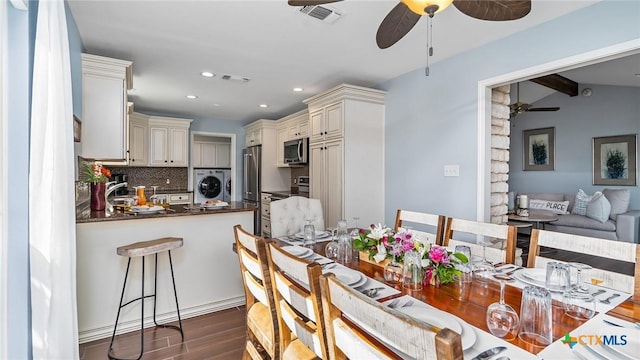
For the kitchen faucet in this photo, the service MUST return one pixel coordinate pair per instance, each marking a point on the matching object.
(111, 188)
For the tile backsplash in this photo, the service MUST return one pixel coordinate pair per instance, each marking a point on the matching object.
(177, 178)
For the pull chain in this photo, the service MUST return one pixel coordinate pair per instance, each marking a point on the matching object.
(429, 42)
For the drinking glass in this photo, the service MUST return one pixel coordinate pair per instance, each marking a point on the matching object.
(465, 268)
(309, 235)
(579, 286)
(345, 249)
(557, 276)
(536, 317)
(484, 269)
(502, 319)
(393, 269)
(412, 272)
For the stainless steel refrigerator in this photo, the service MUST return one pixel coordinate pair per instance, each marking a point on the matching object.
(252, 165)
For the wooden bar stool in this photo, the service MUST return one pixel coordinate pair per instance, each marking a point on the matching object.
(142, 249)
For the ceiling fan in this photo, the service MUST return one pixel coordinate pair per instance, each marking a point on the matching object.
(403, 17)
(520, 107)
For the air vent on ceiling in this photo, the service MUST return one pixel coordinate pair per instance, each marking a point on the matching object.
(321, 13)
(235, 78)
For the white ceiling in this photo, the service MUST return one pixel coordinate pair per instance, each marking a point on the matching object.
(277, 47)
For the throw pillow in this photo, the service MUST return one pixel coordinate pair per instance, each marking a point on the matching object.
(580, 205)
(556, 207)
(619, 200)
(599, 208)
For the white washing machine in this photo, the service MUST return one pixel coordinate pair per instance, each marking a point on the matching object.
(227, 185)
(208, 184)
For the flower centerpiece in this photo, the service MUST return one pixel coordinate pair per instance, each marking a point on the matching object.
(441, 265)
(97, 176)
(372, 242)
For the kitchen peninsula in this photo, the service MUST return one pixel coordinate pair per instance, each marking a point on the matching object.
(206, 271)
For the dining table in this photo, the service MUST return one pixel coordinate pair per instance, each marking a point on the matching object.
(468, 301)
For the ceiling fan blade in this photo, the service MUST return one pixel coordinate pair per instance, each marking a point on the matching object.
(310, 2)
(395, 25)
(544, 109)
(494, 10)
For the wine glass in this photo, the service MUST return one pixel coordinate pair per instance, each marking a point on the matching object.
(331, 249)
(483, 269)
(579, 286)
(579, 305)
(356, 229)
(502, 319)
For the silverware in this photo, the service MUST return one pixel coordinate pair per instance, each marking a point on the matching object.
(601, 291)
(372, 292)
(637, 324)
(514, 270)
(490, 353)
(393, 303)
(506, 268)
(608, 300)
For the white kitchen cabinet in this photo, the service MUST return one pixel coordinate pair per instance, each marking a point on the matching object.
(253, 137)
(326, 169)
(210, 154)
(105, 128)
(346, 167)
(168, 141)
(326, 122)
(138, 139)
(273, 178)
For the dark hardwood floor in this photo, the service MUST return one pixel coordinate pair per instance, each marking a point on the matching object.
(219, 335)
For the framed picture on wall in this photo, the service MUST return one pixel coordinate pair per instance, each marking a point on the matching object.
(615, 160)
(539, 149)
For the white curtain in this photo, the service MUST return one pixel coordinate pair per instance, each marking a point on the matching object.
(52, 235)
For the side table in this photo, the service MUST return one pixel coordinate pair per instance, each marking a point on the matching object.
(537, 221)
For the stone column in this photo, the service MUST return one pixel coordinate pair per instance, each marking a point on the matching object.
(500, 131)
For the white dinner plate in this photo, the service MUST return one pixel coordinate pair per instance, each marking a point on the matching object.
(539, 275)
(629, 350)
(319, 234)
(361, 282)
(216, 205)
(469, 335)
(346, 276)
(434, 317)
(529, 280)
(146, 209)
(299, 251)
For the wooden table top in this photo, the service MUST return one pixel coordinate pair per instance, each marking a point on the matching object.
(470, 301)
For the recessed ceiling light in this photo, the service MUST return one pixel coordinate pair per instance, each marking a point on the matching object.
(191, 97)
(216, 105)
(264, 105)
(638, 74)
(297, 89)
(207, 74)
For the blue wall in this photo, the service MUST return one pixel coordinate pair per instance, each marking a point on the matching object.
(19, 78)
(609, 111)
(432, 121)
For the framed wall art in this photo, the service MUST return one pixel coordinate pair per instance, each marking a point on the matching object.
(539, 149)
(615, 160)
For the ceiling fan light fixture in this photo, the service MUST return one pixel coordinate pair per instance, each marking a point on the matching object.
(425, 7)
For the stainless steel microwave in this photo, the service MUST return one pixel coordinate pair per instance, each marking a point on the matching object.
(296, 151)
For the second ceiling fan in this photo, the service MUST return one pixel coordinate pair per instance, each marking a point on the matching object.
(518, 107)
(404, 16)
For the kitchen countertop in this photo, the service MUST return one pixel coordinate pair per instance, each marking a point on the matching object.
(173, 211)
(287, 193)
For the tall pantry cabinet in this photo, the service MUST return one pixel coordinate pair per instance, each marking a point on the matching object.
(346, 153)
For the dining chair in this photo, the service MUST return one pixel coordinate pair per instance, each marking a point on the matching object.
(288, 216)
(296, 290)
(413, 218)
(359, 327)
(262, 325)
(619, 251)
(504, 236)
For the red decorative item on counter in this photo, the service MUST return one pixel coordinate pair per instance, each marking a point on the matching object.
(97, 196)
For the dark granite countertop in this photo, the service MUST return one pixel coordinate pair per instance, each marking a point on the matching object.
(172, 211)
(287, 193)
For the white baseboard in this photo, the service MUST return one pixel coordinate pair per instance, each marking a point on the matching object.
(134, 325)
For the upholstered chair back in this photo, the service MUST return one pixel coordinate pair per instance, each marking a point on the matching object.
(288, 216)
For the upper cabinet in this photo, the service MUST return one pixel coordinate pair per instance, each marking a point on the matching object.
(326, 122)
(253, 135)
(211, 154)
(138, 139)
(168, 141)
(105, 82)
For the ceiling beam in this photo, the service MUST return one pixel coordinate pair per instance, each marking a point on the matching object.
(559, 83)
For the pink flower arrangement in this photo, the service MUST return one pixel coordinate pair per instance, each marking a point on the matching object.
(441, 265)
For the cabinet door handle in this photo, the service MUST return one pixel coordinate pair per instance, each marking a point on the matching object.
(165, 161)
(325, 133)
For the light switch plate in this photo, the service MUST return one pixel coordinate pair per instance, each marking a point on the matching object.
(451, 170)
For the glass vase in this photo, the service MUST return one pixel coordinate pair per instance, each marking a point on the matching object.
(393, 272)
